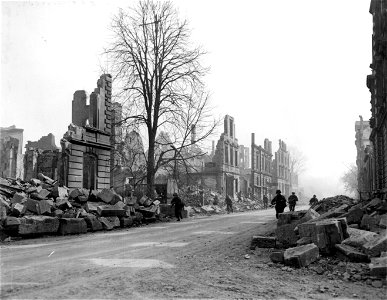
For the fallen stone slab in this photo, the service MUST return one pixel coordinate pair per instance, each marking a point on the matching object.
(77, 192)
(354, 215)
(120, 205)
(383, 221)
(19, 198)
(376, 245)
(351, 253)
(328, 233)
(310, 214)
(301, 256)
(277, 256)
(378, 266)
(357, 237)
(284, 218)
(106, 225)
(93, 223)
(304, 241)
(18, 209)
(44, 193)
(110, 211)
(30, 225)
(60, 192)
(263, 242)
(72, 226)
(11, 221)
(115, 221)
(370, 222)
(38, 207)
(207, 209)
(63, 204)
(286, 236)
(108, 196)
(126, 221)
(373, 204)
(35, 182)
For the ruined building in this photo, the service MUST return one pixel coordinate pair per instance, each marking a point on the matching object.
(364, 158)
(86, 146)
(377, 84)
(281, 169)
(261, 169)
(42, 156)
(11, 157)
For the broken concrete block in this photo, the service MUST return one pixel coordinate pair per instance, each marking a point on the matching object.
(38, 225)
(107, 196)
(19, 209)
(370, 222)
(357, 237)
(126, 221)
(263, 242)
(38, 207)
(44, 193)
(207, 209)
(354, 215)
(284, 218)
(19, 198)
(120, 205)
(72, 226)
(93, 223)
(378, 266)
(304, 241)
(277, 256)
(11, 221)
(376, 245)
(344, 227)
(63, 204)
(372, 204)
(351, 253)
(77, 192)
(115, 221)
(105, 223)
(286, 236)
(383, 221)
(35, 182)
(301, 256)
(110, 211)
(307, 230)
(46, 179)
(311, 214)
(60, 192)
(329, 233)
(36, 196)
(58, 213)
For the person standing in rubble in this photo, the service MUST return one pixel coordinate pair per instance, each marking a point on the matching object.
(313, 201)
(292, 201)
(229, 204)
(280, 203)
(178, 204)
(265, 201)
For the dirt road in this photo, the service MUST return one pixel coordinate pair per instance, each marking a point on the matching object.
(197, 258)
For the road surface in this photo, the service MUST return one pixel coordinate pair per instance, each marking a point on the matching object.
(194, 259)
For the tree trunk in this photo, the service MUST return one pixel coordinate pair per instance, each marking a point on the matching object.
(150, 174)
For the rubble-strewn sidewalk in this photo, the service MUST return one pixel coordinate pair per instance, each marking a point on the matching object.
(338, 237)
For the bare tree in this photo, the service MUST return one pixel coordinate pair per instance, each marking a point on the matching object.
(297, 160)
(350, 179)
(159, 79)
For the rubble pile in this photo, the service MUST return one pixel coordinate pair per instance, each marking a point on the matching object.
(337, 231)
(41, 206)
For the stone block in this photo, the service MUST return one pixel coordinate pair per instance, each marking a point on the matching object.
(126, 221)
(370, 222)
(38, 225)
(351, 253)
(344, 227)
(44, 193)
(311, 214)
(354, 215)
(110, 211)
(77, 192)
(383, 221)
(328, 233)
(263, 242)
(60, 192)
(72, 226)
(93, 223)
(19, 198)
(372, 204)
(376, 245)
(357, 237)
(115, 221)
(18, 209)
(38, 207)
(58, 213)
(11, 221)
(284, 218)
(63, 204)
(36, 196)
(286, 236)
(35, 182)
(301, 256)
(120, 205)
(108, 196)
(378, 266)
(277, 256)
(207, 209)
(304, 241)
(105, 223)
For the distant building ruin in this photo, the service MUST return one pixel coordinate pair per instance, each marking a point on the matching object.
(11, 157)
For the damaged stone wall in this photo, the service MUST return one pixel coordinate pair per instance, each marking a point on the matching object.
(11, 157)
(86, 146)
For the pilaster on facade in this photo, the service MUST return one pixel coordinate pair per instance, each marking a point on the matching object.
(261, 169)
(377, 84)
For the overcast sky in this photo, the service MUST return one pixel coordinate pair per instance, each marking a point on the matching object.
(292, 70)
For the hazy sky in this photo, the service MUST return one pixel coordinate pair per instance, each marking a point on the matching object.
(292, 70)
